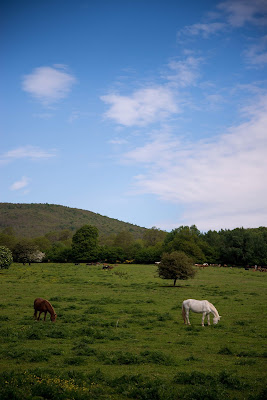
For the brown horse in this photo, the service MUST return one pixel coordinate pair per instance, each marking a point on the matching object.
(44, 306)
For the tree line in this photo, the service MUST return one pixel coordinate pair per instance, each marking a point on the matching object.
(238, 247)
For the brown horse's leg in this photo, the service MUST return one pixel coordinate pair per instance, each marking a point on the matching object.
(38, 319)
(45, 315)
(35, 314)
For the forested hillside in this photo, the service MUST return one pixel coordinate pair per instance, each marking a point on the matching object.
(33, 220)
(68, 234)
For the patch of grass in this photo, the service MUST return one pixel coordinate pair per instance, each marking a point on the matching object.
(119, 358)
(144, 388)
(135, 327)
(76, 360)
(242, 323)
(157, 357)
(94, 310)
(193, 378)
(245, 362)
(28, 355)
(82, 349)
(165, 317)
(230, 381)
(192, 358)
(249, 353)
(57, 332)
(225, 351)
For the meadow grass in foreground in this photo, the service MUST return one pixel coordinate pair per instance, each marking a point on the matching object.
(120, 334)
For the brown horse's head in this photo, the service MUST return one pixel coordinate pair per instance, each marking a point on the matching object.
(53, 317)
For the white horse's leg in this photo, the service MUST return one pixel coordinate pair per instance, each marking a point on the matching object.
(187, 317)
(203, 318)
(208, 318)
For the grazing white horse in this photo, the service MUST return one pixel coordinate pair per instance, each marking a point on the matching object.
(200, 306)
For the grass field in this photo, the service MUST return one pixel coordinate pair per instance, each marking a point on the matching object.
(120, 334)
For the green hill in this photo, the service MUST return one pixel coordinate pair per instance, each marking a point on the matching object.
(33, 220)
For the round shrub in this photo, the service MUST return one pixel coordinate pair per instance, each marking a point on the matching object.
(6, 258)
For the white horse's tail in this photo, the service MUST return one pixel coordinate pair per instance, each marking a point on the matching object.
(183, 313)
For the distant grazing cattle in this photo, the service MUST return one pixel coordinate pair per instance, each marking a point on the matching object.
(107, 267)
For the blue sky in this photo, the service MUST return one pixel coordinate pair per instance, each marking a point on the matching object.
(151, 112)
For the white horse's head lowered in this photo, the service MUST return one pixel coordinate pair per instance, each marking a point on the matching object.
(216, 320)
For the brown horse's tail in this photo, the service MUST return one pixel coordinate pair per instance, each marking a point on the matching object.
(183, 314)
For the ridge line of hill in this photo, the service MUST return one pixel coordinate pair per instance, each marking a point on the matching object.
(36, 219)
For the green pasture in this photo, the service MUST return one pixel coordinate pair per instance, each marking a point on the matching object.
(120, 334)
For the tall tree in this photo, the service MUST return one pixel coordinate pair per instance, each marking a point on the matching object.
(5, 257)
(153, 236)
(84, 244)
(186, 239)
(237, 247)
(124, 239)
(24, 251)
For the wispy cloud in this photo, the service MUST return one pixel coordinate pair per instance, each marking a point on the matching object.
(21, 184)
(216, 180)
(144, 106)
(118, 141)
(240, 12)
(256, 54)
(205, 30)
(184, 72)
(230, 14)
(48, 84)
(77, 115)
(26, 152)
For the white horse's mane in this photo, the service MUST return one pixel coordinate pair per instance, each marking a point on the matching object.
(214, 309)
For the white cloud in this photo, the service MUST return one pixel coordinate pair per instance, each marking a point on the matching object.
(257, 54)
(240, 12)
(220, 182)
(48, 84)
(21, 184)
(28, 152)
(234, 13)
(205, 30)
(144, 106)
(118, 141)
(185, 72)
